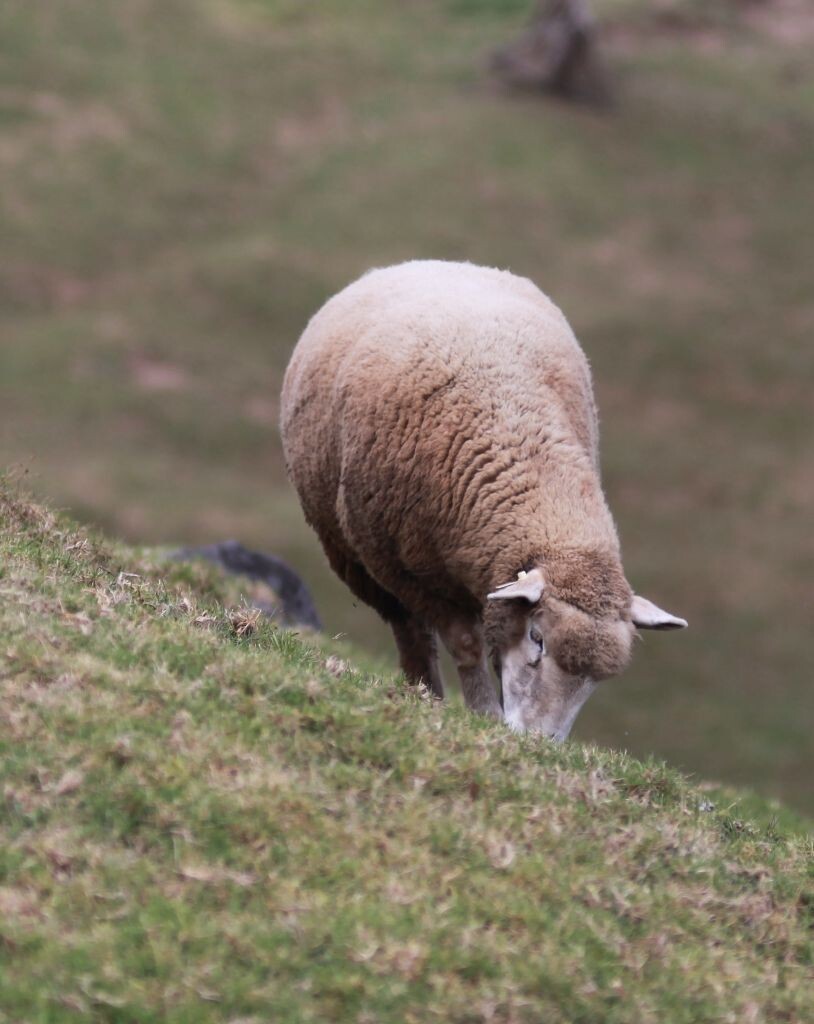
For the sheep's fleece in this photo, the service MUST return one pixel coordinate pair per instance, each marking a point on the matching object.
(439, 426)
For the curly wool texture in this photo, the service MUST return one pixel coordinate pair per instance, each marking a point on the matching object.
(439, 426)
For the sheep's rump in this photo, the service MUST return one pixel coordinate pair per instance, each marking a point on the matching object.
(423, 408)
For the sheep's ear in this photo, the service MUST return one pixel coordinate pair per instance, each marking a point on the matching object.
(647, 615)
(529, 586)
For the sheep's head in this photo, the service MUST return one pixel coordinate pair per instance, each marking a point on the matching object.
(552, 644)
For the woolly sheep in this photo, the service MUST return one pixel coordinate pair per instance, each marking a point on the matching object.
(439, 426)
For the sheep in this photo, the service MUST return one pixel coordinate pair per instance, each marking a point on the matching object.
(439, 427)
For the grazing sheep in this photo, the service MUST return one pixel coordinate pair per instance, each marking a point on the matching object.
(439, 426)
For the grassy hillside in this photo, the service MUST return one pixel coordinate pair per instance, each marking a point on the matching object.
(185, 182)
(205, 820)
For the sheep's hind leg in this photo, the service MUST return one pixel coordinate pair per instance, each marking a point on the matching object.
(418, 653)
(464, 641)
(416, 642)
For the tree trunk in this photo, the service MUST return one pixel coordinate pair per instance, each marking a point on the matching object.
(558, 53)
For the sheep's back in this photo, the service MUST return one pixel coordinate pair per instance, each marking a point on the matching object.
(420, 408)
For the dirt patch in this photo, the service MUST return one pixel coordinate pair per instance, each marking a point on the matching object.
(263, 411)
(711, 28)
(151, 374)
(67, 125)
(789, 22)
(16, 902)
(74, 124)
(303, 133)
(629, 256)
(41, 287)
(663, 414)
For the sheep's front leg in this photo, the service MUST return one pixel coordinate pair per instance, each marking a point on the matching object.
(464, 641)
(418, 653)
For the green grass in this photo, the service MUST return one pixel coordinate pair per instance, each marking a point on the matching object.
(206, 822)
(185, 182)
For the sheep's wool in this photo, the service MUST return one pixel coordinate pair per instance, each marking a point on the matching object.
(439, 426)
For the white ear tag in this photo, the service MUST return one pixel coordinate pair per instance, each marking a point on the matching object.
(528, 586)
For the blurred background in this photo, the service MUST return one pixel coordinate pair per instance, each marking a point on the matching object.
(184, 182)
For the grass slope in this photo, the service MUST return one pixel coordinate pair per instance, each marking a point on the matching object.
(209, 820)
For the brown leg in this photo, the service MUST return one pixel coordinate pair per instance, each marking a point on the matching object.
(416, 642)
(418, 653)
(464, 641)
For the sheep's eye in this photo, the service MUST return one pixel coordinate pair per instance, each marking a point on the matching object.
(537, 637)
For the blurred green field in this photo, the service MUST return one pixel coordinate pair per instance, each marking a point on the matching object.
(183, 183)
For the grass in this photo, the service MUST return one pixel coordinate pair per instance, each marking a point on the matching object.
(205, 819)
(185, 182)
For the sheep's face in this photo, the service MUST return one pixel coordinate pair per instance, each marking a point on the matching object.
(550, 655)
(551, 661)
